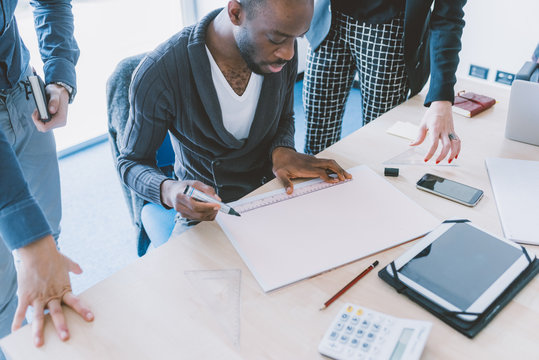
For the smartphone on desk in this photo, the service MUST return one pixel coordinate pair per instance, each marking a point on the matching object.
(449, 189)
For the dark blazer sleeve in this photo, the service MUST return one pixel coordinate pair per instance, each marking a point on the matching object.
(286, 129)
(446, 24)
(146, 128)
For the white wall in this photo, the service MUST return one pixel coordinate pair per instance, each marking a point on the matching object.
(499, 35)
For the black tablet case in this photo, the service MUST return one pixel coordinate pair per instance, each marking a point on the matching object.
(468, 328)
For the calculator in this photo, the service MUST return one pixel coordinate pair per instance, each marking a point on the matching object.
(363, 334)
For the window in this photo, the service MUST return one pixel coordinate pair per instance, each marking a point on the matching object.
(107, 31)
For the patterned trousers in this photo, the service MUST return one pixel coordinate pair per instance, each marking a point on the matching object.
(376, 52)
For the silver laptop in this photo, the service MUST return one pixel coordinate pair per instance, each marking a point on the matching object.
(523, 115)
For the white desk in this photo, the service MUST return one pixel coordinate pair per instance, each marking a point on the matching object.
(150, 311)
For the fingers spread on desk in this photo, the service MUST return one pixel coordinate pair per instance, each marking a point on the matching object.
(37, 323)
(20, 313)
(58, 319)
(432, 149)
(446, 146)
(79, 306)
(455, 147)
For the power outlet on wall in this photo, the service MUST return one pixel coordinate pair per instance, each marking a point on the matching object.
(503, 77)
(478, 71)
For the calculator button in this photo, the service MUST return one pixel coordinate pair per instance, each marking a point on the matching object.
(339, 326)
(365, 324)
(354, 342)
(371, 337)
(365, 346)
(334, 335)
(360, 333)
(349, 329)
(359, 312)
(349, 308)
(376, 327)
(343, 339)
(354, 320)
(344, 316)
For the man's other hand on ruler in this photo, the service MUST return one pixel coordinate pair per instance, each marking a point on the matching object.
(289, 164)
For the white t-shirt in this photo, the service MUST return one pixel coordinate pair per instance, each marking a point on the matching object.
(238, 111)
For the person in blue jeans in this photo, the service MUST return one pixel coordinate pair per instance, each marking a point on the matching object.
(31, 139)
(42, 271)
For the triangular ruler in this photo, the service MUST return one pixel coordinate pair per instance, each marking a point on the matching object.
(220, 290)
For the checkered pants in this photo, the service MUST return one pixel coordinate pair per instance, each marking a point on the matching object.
(376, 51)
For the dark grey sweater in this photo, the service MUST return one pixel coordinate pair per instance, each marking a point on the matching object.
(172, 90)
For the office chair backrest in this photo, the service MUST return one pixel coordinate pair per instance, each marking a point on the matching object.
(118, 113)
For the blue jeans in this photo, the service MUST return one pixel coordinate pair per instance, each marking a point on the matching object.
(36, 153)
(160, 222)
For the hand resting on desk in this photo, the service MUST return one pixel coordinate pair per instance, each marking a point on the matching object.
(43, 278)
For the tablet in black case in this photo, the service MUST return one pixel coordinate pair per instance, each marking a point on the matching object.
(468, 328)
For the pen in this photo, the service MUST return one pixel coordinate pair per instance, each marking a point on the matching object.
(200, 196)
(349, 285)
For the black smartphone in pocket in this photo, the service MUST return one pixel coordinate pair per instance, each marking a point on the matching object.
(450, 189)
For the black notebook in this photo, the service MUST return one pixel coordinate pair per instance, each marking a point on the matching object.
(40, 96)
(454, 318)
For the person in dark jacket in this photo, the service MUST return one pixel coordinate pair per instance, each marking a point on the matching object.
(223, 89)
(393, 45)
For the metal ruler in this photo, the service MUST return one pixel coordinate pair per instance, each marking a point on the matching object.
(273, 197)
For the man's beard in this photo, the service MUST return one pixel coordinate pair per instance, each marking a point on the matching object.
(247, 52)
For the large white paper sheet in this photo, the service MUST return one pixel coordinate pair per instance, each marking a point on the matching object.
(515, 184)
(307, 235)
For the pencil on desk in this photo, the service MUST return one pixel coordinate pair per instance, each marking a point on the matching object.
(349, 285)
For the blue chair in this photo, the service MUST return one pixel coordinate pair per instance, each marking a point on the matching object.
(157, 221)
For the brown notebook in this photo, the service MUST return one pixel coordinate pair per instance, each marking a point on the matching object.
(469, 104)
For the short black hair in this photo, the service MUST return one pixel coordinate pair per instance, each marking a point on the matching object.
(252, 7)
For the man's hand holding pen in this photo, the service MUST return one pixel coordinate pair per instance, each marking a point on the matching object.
(172, 195)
